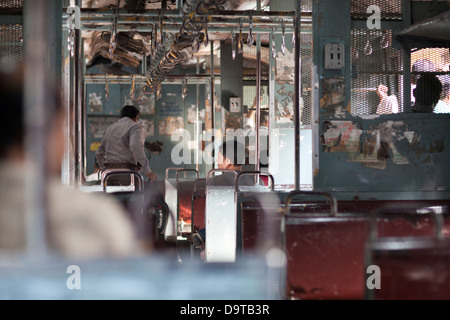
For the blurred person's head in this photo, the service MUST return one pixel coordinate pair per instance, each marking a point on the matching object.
(130, 111)
(231, 155)
(13, 127)
(445, 80)
(264, 119)
(422, 65)
(428, 91)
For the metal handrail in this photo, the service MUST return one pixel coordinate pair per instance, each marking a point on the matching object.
(219, 170)
(171, 169)
(331, 198)
(436, 215)
(240, 174)
(107, 173)
(186, 170)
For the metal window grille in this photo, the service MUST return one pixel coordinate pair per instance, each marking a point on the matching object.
(11, 4)
(306, 6)
(374, 62)
(435, 61)
(389, 10)
(306, 77)
(11, 43)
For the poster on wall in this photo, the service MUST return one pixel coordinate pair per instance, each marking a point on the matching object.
(98, 125)
(192, 115)
(149, 127)
(285, 68)
(235, 104)
(161, 127)
(95, 102)
(168, 109)
(173, 125)
(146, 104)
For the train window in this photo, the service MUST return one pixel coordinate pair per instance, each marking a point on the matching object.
(435, 61)
(11, 34)
(377, 70)
(11, 4)
(378, 61)
(389, 10)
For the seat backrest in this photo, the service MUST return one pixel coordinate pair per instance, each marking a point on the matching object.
(327, 254)
(121, 172)
(410, 269)
(198, 205)
(220, 242)
(325, 257)
(412, 265)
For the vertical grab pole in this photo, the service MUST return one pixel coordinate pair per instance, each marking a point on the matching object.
(38, 105)
(258, 94)
(213, 118)
(297, 94)
(78, 112)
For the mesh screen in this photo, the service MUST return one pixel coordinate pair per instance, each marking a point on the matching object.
(430, 60)
(13, 4)
(435, 61)
(306, 77)
(306, 6)
(11, 43)
(390, 10)
(374, 62)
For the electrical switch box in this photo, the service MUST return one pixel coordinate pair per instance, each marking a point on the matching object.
(334, 56)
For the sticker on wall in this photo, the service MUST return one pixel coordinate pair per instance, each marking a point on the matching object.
(170, 109)
(284, 111)
(389, 141)
(146, 104)
(149, 127)
(173, 125)
(161, 127)
(333, 97)
(98, 125)
(94, 146)
(192, 115)
(95, 102)
(235, 104)
(285, 68)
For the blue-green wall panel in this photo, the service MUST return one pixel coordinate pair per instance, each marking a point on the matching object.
(398, 156)
(171, 104)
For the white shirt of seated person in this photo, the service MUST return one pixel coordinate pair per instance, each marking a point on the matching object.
(388, 104)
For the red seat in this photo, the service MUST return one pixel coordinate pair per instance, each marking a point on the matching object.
(325, 257)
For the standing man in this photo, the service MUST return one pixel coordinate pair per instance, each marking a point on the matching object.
(427, 93)
(443, 106)
(388, 104)
(123, 144)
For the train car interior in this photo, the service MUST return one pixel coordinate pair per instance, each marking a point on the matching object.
(343, 186)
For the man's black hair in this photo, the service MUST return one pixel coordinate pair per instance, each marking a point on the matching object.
(129, 111)
(428, 90)
(422, 65)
